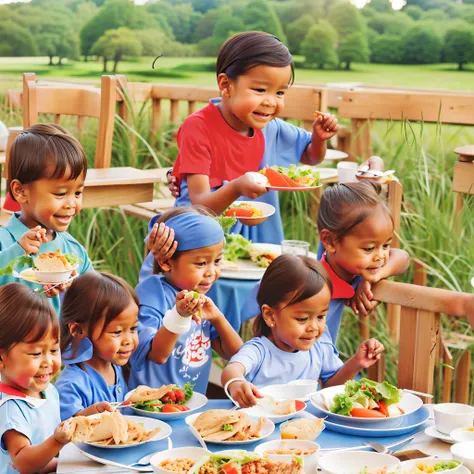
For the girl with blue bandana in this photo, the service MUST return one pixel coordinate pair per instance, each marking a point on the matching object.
(290, 340)
(98, 336)
(179, 325)
(31, 434)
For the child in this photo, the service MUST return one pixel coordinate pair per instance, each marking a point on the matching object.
(98, 336)
(290, 342)
(47, 169)
(30, 430)
(174, 348)
(241, 131)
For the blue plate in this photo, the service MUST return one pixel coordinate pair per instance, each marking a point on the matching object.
(413, 421)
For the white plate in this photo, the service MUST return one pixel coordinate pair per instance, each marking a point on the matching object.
(409, 404)
(149, 424)
(267, 429)
(249, 270)
(294, 189)
(267, 209)
(290, 390)
(197, 401)
(189, 452)
(261, 411)
(335, 155)
(432, 432)
(353, 462)
(32, 279)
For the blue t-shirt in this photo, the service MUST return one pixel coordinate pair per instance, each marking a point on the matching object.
(266, 364)
(10, 249)
(80, 386)
(37, 422)
(191, 358)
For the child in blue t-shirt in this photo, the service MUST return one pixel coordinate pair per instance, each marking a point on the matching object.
(290, 342)
(46, 169)
(99, 333)
(179, 324)
(31, 434)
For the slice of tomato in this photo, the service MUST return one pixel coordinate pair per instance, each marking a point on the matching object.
(276, 179)
(239, 212)
(229, 468)
(383, 408)
(366, 413)
(170, 409)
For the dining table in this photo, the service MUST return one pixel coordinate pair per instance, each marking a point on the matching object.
(72, 460)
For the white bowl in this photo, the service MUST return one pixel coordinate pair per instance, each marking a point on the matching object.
(409, 403)
(53, 277)
(409, 466)
(450, 416)
(261, 411)
(298, 391)
(177, 453)
(310, 461)
(352, 462)
(465, 453)
(267, 210)
(463, 434)
(197, 401)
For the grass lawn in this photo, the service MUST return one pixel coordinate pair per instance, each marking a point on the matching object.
(199, 71)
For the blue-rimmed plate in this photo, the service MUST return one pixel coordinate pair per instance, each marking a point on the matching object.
(408, 424)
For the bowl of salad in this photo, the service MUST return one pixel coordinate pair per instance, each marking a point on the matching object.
(294, 178)
(366, 402)
(168, 402)
(358, 462)
(250, 212)
(430, 466)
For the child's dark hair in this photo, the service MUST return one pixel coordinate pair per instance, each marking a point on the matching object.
(300, 277)
(25, 316)
(92, 297)
(244, 51)
(176, 211)
(344, 206)
(44, 147)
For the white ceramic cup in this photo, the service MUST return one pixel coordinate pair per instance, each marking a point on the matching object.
(450, 416)
(346, 171)
(465, 453)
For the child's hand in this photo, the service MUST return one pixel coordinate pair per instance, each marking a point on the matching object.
(374, 163)
(363, 302)
(161, 242)
(100, 407)
(244, 393)
(189, 305)
(173, 185)
(325, 126)
(368, 353)
(31, 240)
(63, 432)
(246, 186)
(211, 312)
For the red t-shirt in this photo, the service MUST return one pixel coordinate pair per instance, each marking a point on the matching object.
(208, 145)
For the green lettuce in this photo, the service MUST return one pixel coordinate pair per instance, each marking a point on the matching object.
(149, 405)
(227, 427)
(21, 261)
(188, 390)
(294, 172)
(236, 247)
(342, 404)
(226, 222)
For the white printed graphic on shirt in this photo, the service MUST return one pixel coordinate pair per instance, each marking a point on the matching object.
(194, 352)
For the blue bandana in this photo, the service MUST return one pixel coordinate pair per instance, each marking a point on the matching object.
(195, 231)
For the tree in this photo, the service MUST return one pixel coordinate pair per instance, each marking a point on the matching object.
(421, 46)
(319, 46)
(115, 44)
(204, 5)
(205, 24)
(353, 48)
(414, 11)
(346, 19)
(459, 46)
(260, 15)
(297, 31)
(434, 15)
(396, 23)
(386, 50)
(16, 40)
(227, 26)
(382, 6)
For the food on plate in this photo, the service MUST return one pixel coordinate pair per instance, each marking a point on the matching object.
(366, 470)
(166, 399)
(181, 465)
(243, 209)
(244, 462)
(109, 428)
(236, 247)
(282, 407)
(422, 467)
(302, 428)
(295, 451)
(294, 176)
(227, 425)
(365, 398)
(262, 256)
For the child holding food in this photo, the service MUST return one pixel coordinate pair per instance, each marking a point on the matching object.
(179, 324)
(99, 332)
(290, 342)
(30, 430)
(240, 132)
(46, 169)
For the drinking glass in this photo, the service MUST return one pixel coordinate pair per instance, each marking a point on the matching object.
(295, 247)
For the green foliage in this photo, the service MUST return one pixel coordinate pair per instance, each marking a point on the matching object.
(414, 11)
(421, 46)
(209, 46)
(459, 46)
(289, 11)
(434, 15)
(353, 48)
(259, 15)
(319, 46)
(346, 19)
(16, 40)
(297, 30)
(468, 13)
(226, 26)
(386, 49)
(382, 6)
(205, 5)
(396, 23)
(205, 25)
